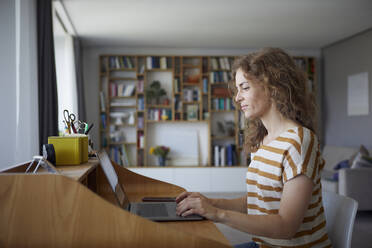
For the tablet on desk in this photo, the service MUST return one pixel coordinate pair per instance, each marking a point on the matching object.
(153, 208)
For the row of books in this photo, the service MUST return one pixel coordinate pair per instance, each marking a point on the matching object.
(220, 77)
(159, 114)
(118, 62)
(120, 155)
(221, 63)
(222, 104)
(156, 62)
(141, 103)
(191, 94)
(121, 89)
(225, 155)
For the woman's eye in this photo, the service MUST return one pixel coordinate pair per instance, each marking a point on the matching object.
(245, 88)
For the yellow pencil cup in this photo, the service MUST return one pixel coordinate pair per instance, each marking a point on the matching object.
(70, 150)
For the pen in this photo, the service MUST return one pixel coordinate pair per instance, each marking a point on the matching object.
(90, 127)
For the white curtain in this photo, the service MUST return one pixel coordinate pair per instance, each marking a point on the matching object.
(66, 77)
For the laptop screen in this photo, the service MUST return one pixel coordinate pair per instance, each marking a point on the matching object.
(112, 178)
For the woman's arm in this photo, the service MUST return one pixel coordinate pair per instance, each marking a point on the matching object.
(237, 204)
(284, 225)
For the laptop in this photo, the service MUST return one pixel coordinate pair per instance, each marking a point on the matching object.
(155, 211)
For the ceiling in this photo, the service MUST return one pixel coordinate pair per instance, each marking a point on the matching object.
(230, 24)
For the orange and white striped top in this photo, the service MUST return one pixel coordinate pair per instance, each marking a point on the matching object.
(294, 152)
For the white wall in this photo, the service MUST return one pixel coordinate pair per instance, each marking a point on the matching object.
(91, 70)
(18, 70)
(207, 180)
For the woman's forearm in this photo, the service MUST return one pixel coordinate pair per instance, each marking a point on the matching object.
(271, 226)
(237, 204)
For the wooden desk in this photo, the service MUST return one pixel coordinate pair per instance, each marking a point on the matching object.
(57, 211)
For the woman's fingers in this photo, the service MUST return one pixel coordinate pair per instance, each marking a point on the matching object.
(182, 196)
(187, 204)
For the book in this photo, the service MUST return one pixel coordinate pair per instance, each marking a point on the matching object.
(216, 156)
(223, 156)
(102, 101)
(149, 63)
(229, 155)
(103, 120)
(163, 63)
(205, 85)
(129, 90)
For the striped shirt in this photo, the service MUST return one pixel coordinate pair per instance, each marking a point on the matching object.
(294, 152)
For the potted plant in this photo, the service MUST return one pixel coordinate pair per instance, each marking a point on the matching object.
(161, 152)
(155, 91)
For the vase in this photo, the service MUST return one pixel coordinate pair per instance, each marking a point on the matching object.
(161, 161)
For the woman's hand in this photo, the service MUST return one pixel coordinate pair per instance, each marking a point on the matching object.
(195, 203)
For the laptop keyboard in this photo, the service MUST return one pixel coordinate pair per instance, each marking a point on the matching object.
(152, 210)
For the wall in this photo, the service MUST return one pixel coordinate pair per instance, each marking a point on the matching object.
(342, 59)
(91, 70)
(18, 95)
(8, 89)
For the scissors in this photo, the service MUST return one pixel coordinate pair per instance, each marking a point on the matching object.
(69, 118)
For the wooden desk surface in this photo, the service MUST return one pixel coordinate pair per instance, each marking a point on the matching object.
(136, 187)
(78, 172)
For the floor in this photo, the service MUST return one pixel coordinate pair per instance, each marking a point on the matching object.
(362, 233)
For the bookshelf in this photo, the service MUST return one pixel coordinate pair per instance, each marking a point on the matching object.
(196, 96)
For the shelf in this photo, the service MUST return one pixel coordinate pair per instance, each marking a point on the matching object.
(123, 97)
(153, 121)
(122, 69)
(191, 84)
(193, 102)
(190, 66)
(122, 78)
(125, 125)
(158, 106)
(176, 121)
(214, 70)
(222, 137)
(222, 111)
(218, 83)
(129, 106)
(159, 70)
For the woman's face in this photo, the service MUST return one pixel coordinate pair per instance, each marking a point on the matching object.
(251, 96)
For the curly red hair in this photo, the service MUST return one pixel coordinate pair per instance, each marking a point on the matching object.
(287, 88)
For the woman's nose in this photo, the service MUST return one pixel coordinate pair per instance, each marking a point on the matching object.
(237, 97)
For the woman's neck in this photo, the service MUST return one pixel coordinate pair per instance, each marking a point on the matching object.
(275, 123)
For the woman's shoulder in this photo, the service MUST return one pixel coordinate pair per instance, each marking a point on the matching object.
(305, 137)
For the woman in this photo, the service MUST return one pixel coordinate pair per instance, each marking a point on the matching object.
(283, 205)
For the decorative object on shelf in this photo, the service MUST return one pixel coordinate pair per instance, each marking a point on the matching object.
(161, 152)
(230, 128)
(155, 91)
(226, 128)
